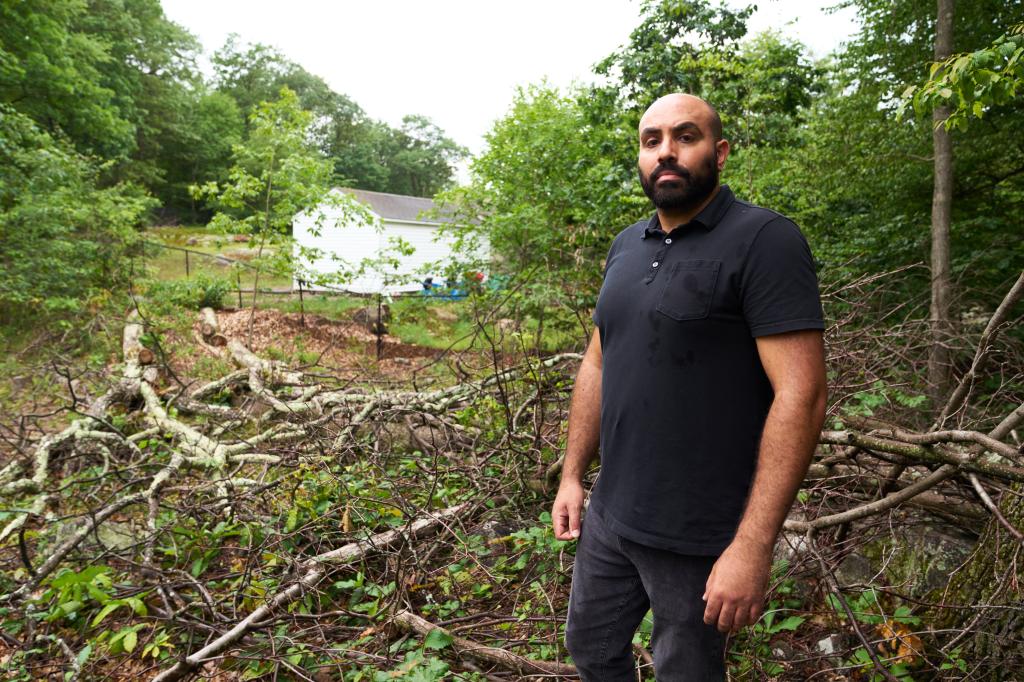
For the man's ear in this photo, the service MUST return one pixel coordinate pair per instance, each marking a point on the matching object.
(722, 150)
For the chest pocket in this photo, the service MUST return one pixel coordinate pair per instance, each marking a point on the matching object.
(689, 289)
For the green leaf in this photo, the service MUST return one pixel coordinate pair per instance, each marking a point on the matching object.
(84, 654)
(293, 520)
(129, 641)
(70, 607)
(106, 611)
(138, 606)
(791, 623)
(437, 639)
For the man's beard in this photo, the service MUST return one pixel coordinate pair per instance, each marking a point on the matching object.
(684, 194)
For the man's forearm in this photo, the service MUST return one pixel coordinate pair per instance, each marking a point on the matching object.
(584, 422)
(790, 435)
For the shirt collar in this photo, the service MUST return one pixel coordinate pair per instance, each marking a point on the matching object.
(708, 217)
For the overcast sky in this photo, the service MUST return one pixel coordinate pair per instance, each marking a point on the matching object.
(459, 61)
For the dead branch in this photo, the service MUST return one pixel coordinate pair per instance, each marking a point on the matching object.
(491, 655)
(316, 569)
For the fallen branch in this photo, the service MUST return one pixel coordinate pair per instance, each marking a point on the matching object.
(315, 570)
(523, 666)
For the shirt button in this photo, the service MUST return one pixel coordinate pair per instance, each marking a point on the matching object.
(654, 264)
(668, 241)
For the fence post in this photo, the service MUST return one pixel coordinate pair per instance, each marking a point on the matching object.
(239, 276)
(188, 271)
(302, 307)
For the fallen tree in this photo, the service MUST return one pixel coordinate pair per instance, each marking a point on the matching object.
(243, 494)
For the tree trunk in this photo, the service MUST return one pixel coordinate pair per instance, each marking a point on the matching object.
(993, 577)
(942, 201)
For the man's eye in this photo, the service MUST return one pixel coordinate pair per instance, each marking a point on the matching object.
(650, 142)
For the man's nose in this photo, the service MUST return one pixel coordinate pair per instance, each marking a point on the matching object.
(667, 150)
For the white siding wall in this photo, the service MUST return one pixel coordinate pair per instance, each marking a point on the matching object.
(355, 242)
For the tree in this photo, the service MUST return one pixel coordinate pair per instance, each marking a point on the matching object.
(211, 126)
(860, 178)
(548, 201)
(51, 71)
(416, 159)
(942, 202)
(64, 241)
(962, 87)
(422, 160)
(277, 173)
(970, 84)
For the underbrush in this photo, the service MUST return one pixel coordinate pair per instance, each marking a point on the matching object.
(356, 502)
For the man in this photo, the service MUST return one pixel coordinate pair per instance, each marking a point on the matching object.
(705, 384)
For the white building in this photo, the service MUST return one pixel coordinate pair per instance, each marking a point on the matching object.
(355, 241)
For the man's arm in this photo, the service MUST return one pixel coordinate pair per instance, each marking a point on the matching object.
(795, 365)
(581, 443)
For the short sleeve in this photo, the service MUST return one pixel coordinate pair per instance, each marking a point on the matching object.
(607, 260)
(779, 287)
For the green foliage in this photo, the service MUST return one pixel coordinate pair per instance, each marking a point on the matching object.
(70, 593)
(751, 652)
(415, 667)
(865, 403)
(416, 158)
(970, 84)
(760, 86)
(548, 200)
(64, 239)
(277, 173)
(201, 291)
(51, 70)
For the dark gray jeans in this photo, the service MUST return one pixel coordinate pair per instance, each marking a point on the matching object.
(614, 582)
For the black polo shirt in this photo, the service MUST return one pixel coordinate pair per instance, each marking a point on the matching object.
(683, 394)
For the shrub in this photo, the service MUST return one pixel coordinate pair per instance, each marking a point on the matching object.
(201, 291)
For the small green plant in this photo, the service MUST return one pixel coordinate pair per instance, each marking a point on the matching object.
(900, 648)
(201, 291)
(867, 402)
(753, 655)
(71, 593)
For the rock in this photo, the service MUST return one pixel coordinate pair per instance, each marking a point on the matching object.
(782, 651)
(831, 645)
(240, 238)
(395, 437)
(445, 313)
(854, 570)
(191, 241)
(495, 529)
(367, 318)
(506, 325)
(928, 553)
(114, 535)
(400, 439)
(791, 547)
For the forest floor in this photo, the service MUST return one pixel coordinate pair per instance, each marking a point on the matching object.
(430, 468)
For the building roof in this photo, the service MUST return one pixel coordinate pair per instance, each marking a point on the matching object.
(398, 206)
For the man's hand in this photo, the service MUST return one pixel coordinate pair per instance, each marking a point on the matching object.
(736, 586)
(565, 514)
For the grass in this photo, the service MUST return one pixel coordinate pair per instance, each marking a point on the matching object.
(170, 264)
(432, 323)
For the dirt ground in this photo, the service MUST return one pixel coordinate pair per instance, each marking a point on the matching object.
(340, 346)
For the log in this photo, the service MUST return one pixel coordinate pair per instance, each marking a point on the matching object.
(209, 328)
(523, 666)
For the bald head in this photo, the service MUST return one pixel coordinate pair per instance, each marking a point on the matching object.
(680, 102)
